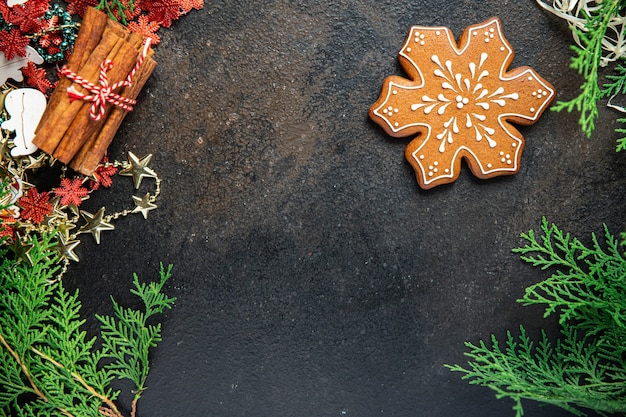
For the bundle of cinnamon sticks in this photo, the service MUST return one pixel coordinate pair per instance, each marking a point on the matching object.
(66, 130)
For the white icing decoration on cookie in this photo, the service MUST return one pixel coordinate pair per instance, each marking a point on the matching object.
(469, 94)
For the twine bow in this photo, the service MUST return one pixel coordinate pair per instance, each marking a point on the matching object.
(103, 92)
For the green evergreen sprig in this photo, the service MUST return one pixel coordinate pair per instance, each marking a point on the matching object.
(617, 86)
(587, 61)
(117, 9)
(50, 367)
(598, 30)
(128, 337)
(585, 368)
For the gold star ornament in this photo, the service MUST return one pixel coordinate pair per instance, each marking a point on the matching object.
(138, 169)
(66, 248)
(96, 223)
(21, 250)
(144, 205)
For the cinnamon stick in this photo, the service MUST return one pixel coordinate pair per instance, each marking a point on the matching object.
(93, 150)
(61, 116)
(123, 56)
(117, 28)
(66, 130)
(90, 34)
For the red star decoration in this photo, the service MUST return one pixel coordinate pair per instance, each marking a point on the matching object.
(162, 11)
(7, 228)
(27, 16)
(35, 205)
(71, 191)
(103, 175)
(187, 5)
(146, 28)
(12, 43)
(36, 77)
(79, 6)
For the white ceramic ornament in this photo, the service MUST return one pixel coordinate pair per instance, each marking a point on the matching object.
(25, 106)
(11, 68)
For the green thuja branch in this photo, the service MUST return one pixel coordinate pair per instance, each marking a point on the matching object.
(49, 365)
(117, 9)
(586, 61)
(585, 368)
(127, 336)
(599, 31)
(588, 284)
(621, 142)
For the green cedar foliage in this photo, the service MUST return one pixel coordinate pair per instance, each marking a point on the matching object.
(585, 368)
(599, 31)
(48, 364)
(117, 9)
(587, 61)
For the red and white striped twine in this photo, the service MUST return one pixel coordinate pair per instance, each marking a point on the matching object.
(103, 92)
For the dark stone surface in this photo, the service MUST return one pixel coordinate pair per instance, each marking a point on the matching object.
(313, 276)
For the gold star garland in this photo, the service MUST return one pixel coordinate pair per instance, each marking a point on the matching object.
(67, 221)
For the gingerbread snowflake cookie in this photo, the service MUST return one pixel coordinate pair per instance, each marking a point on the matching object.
(460, 101)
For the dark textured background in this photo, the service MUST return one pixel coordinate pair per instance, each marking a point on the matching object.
(313, 276)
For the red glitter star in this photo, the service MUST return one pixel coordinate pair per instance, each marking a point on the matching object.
(103, 175)
(71, 191)
(36, 77)
(13, 43)
(35, 205)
